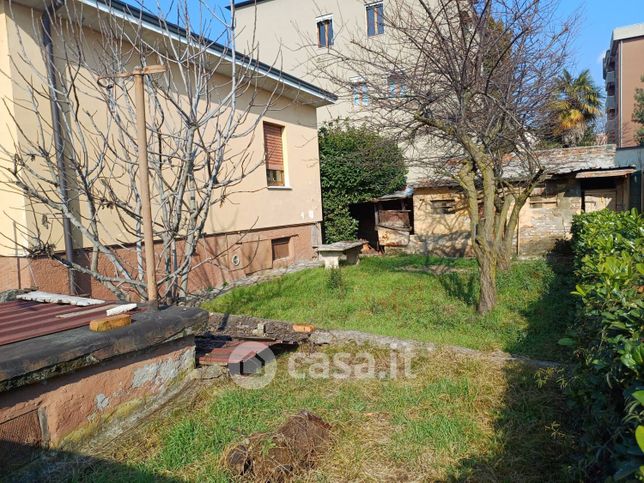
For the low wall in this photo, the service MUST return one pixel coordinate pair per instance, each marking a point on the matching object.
(65, 410)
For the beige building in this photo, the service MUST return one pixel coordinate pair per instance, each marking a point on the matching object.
(294, 34)
(297, 35)
(434, 219)
(272, 216)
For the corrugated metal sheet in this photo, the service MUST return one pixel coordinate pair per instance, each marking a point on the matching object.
(23, 319)
(222, 351)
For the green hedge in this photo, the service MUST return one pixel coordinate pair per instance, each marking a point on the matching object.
(607, 380)
(356, 165)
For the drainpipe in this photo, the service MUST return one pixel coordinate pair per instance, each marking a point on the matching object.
(48, 47)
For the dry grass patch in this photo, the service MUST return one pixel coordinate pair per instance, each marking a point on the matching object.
(458, 418)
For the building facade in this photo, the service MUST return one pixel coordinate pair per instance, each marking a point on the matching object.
(623, 74)
(297, 34)
(272, 217)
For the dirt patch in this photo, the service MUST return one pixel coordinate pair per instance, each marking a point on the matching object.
(280, 456)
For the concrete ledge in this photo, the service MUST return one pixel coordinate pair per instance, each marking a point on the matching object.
(335, 337)
(41, 358)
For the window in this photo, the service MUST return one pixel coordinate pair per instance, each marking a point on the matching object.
(360, 94)
(397, 87)
(375, 22)
(325, 32)
(280, 247)
(443, 207)
(274, 154)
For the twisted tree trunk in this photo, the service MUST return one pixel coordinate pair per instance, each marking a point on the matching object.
(487, 259)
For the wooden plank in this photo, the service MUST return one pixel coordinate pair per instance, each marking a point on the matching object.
(110, 323)
(56, 298)
(605, 173)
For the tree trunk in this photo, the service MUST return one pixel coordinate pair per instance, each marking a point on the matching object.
(487, 261)
(504, 258)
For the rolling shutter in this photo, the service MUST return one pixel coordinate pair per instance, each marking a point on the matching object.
(273, 146)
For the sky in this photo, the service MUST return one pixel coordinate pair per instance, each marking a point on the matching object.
(596, 21)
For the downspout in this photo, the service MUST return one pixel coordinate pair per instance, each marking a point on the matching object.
(61, 165)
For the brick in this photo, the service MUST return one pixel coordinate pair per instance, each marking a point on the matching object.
(108, 323)
(305, 328)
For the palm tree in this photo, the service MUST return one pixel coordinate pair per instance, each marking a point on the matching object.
(576, 106)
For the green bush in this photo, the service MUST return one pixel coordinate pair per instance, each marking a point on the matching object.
(607, 378)
(335, 282)
(356, 165)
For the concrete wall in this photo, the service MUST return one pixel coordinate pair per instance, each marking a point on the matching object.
(436, 233)
(544, 221)
(546, 218)
(65, 410)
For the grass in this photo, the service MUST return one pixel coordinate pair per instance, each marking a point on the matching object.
(397, 296)
(458, 419)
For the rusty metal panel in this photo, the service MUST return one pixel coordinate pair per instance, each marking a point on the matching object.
(19, 439)
(22, 319)
(394, 218)
(391, 237)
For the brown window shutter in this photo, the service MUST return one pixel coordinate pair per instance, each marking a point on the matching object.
(273, 146)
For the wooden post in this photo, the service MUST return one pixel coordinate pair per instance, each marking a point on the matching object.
(144, 188)
(144, 171)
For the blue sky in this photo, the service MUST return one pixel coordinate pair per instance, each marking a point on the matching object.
(597, 19)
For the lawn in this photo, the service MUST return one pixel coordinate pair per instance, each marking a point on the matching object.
(459, 418)
(401, 296)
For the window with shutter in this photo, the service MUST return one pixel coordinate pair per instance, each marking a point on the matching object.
(274, 154)
(360, 94)
(281, 248)
(375, 21)
(325, 32)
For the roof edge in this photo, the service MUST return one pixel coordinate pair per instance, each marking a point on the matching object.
(245, 3)
(217, 48)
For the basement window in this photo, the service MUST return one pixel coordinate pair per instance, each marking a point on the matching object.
(281, 248)
(443, 207)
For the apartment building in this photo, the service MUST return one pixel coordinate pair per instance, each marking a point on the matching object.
(294, 34)
(623, 71)
(270, 219)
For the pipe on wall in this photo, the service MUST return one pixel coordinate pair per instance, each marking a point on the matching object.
(59, 143)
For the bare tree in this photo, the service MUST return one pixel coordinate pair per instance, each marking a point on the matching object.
(466, 83)
(77, 161)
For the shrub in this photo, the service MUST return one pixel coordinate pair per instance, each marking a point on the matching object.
(335, 282)
(607, 378)
(356, 165)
